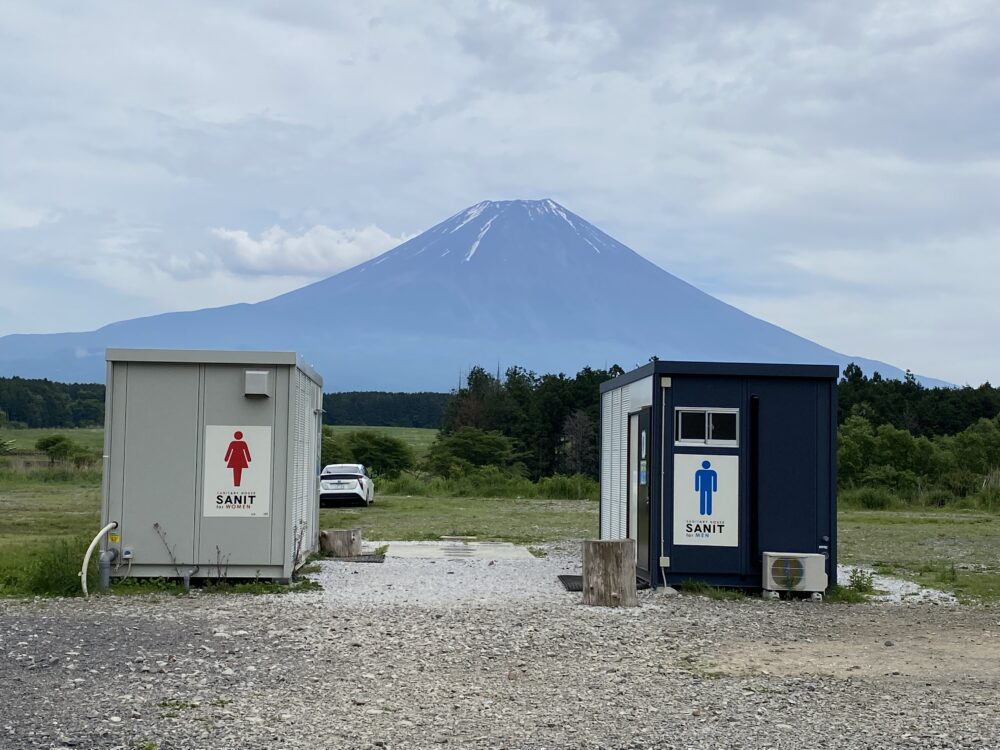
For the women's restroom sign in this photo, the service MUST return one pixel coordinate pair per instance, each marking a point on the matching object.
(706, 500)
(237, 471)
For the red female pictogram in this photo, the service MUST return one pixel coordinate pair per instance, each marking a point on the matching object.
(238, 457)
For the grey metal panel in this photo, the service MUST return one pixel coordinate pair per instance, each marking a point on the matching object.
(616, 405)
(214, 357)
(280, 545)
(640, 394)
(607, 440)
(302, 533)
(629, 377)
(264, 572)
(240, 541)
(116, 400)
(201, 357)
(159, 461)
(620, 500)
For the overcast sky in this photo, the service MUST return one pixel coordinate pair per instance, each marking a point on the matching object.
(831, 167)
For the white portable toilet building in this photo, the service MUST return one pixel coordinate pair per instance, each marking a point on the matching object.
(211, 462)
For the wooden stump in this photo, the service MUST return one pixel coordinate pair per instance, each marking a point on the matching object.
(609, 573)
(340, 542)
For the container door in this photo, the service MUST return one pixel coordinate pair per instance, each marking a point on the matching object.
(791, 453)
(160, 463)
(703, 492)
(640, 458)
(241, 492)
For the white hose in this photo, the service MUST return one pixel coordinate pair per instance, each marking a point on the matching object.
(90, 549)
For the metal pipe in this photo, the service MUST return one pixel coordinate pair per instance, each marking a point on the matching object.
(90, 550)
(187, 577)
(104, 567)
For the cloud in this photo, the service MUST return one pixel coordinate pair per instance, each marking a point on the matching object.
(794, 158)
(14, 216)
(320, 251)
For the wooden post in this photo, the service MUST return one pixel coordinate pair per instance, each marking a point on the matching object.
(340, 542)
(609, 573)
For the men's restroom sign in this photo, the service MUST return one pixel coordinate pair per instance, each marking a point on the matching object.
(706, 483)
(237, 471)
(706, 500)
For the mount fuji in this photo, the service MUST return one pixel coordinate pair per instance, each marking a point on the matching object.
(504, 282)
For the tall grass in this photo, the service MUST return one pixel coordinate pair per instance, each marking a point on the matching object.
(489, 481)
(55, 475)
(50, 570)
(880, 498)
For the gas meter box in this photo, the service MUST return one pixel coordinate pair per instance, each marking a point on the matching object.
(210, 462)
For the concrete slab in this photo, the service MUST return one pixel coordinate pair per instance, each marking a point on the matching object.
(455, 550)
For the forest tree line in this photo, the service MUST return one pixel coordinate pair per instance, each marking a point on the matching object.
(382, 409)
(894, 434)
(44, 404)
(904, 404)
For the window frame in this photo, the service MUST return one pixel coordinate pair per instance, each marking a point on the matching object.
(706, 411)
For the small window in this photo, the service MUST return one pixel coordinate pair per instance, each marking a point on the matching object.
(704, 426)
(722, 425)
(691, 426)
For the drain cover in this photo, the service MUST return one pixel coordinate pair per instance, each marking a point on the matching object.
(572, 583)
(575, 583)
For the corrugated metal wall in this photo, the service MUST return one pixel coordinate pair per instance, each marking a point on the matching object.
(303, 464)
(615, 408)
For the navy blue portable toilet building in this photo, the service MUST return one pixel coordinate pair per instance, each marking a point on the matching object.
(723, 473)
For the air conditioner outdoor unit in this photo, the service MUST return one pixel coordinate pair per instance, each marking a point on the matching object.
(794, 571)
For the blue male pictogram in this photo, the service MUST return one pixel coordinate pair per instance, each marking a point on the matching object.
(706, 481)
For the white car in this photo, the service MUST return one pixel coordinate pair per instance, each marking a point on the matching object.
(346, 482)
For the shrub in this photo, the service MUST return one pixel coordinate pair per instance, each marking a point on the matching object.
(988, 499)
(83, 458)
(869, 498)
(937, 497)
(385, 455)
(404, 485)
(573, 487)
(861, 580)
(53, 570)
(491, 481)
(843, 594)
(960, 482)
(903, 482)
(468, 446)
(56, 447)
(334, 450)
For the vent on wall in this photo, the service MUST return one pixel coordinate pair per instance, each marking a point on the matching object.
(257, 383)
(794, 571)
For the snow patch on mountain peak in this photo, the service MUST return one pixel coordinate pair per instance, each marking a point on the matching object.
(557, 209)
(470, 214)
(475, 245)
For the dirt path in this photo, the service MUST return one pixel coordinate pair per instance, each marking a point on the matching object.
(922, 643)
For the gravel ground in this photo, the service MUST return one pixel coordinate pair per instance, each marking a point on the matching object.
(492, 654)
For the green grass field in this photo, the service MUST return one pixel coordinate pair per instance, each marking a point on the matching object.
(24, 440)
(954, 551)
(45, 521)
(525, 521)
(418, 438)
